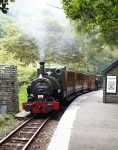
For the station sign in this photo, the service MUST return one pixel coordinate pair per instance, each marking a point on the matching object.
(111, 84)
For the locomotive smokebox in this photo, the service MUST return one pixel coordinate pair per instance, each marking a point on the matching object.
(42, 67)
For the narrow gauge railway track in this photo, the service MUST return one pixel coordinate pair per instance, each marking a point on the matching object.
(23, 135)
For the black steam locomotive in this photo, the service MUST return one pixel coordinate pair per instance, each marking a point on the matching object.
(53, 87)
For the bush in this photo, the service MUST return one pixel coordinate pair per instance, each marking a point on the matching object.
(25, 75)
(7, 122)
(22, 95)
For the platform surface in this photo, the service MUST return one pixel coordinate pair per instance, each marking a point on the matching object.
(22, 114)
(88, 124)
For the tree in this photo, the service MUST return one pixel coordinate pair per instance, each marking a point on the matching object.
(23, 48)
(16, 42)
(3, 4)
(101, 15)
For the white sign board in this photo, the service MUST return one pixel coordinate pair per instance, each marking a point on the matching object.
(111, 84)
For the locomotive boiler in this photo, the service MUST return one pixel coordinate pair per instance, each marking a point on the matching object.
(53, 87)
(44, 93)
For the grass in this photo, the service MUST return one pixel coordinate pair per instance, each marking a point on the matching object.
(7, 123)
(22, 95)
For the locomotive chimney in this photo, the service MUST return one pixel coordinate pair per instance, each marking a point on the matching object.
(42, 66)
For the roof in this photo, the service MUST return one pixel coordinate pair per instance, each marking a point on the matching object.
(110, 67)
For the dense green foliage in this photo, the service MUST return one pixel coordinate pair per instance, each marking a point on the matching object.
(101, 15)
(90, 52)
(4, 5)
(14, 41)
(7, 123)
(17, 49)
(22, 95)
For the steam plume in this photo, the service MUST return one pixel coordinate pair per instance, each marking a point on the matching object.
(45, 21)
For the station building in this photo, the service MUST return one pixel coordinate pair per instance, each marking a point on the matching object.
(110, 83)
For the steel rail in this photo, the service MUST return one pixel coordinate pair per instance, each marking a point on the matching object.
(35, 134)
(7, 141)
(14, 131)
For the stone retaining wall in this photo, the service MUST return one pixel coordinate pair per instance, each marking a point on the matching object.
(8, 89)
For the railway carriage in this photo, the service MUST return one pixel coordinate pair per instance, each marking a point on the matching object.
(54, 87)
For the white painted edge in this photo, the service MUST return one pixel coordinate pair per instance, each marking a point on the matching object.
(61, 137)
(22, 114)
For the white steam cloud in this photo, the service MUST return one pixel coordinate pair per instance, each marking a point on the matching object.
(45, 21)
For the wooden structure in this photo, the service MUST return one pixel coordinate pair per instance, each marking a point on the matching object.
(110, 84)
(8, 89)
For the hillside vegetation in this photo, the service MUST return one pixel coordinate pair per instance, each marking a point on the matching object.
(91, 54)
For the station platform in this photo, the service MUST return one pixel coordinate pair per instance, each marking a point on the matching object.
(88, 124)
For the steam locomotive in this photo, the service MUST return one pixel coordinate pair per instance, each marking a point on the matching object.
(53, 87)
